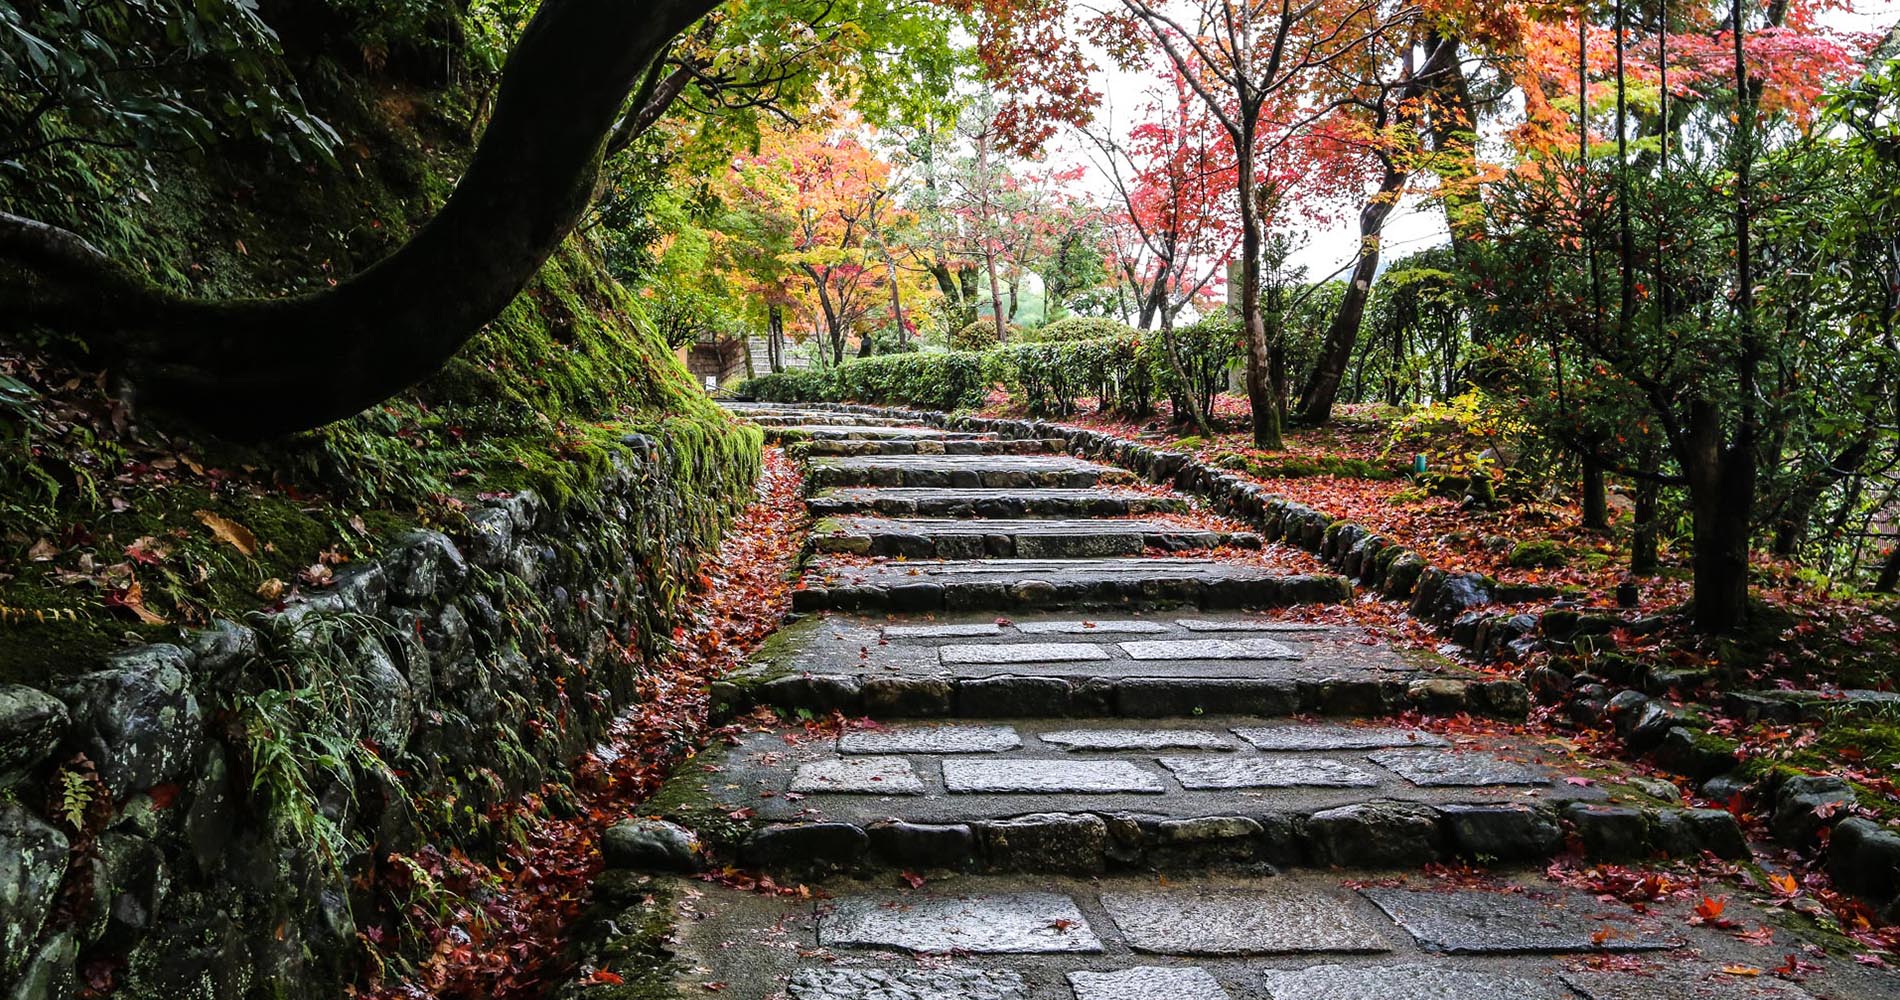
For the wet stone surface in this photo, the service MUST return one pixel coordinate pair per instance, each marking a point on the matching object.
(1210, 649)
(1405, 982)
(1677, 985)
(1244, 922)
(1020, 653)
(1006, 923)
(930, 739)
(1091, 627)
(1500, 923)
(959, 631)
(1207, 625)
(1269, 772)
(1320, 736)
(1136, 739)
(905, 984)
(1442, 768)
(858, 776)
(1049, 776)
(1148, 982)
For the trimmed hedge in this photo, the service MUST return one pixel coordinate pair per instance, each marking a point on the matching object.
(1124, 374)
(952, 381)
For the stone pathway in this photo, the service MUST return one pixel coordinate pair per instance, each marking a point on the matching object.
(1092, 774)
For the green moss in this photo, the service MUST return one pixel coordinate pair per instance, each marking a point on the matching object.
(1539, 553)
(1283, 466)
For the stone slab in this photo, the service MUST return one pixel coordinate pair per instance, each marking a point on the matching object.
(1244, 625)
(1148, 982)
(930, 739)
(1243, 922)
(1321, 736)
(1085, 777)
(836, 983)
(1677, 985)
(1404, 982)
(1002, 923)
(1137, 739)
(1266, 772)
(1460, 768)
(918, 501)
(1476, 922)
(1209, 649)
(1087, 627)
(858, 776)
(1020, 653)
(963, 630)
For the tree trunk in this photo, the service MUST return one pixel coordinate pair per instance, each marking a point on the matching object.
(255, 368)
(1322, 388)
(775, 336)
(1889, 572)
(1595, 495)
(1722, 496)
(1261, 398)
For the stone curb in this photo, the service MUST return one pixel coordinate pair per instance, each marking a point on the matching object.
(1381, 833)
(1013, 696)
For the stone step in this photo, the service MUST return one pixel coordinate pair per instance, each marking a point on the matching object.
(795, 418)
(930, 446)
(1036, 538)
(820, 431)
(1070, 665)
(1061, 795)
(1033, 584)
(964, 472)
(1303, 936)
(921, 502)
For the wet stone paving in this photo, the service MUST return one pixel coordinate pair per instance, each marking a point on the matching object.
(1079, 776)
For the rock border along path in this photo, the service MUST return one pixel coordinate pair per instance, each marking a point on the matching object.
(1115, 788)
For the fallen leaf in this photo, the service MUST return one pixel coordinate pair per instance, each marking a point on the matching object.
(271, 589)
(229, 532)
(1740, 970)
(43, 551)
(603, 976)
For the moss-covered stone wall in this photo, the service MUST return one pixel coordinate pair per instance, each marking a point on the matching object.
(196, 816)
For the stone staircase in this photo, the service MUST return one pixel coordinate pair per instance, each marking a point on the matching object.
(1093, 774)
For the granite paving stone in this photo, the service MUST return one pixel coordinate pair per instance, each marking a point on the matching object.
(1209, 649)
(1324, 736)
(1443, 768)
(1001, 923)
(1405, 982)
(1087, 627)
(952, 631)
(1016, 653)
(858, 776)
(1148, 982)
(1680, 985)
(1476, 922)
(905, 984)
(930, 739)
(1244, 922)
(1266, 772)
(1137, 739)
(1088, 777)
(1245, 625)
(917, 501)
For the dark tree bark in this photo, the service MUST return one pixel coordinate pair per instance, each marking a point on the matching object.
(255, 368)
(1595, 495)
(1342, 335)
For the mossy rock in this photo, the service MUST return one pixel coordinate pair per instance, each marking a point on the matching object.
(1539, 553)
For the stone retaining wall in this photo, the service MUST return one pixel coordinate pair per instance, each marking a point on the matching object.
(214, 855)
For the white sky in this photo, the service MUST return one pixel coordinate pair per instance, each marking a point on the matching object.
(1416, 223)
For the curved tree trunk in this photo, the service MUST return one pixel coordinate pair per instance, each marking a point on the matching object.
(254, 368)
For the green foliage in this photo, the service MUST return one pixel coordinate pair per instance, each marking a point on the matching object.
(1539, 553)
(937, 381)
(1049, 379)
(1207, 351)
(979, 334)
(1080, 328)
(148, 74)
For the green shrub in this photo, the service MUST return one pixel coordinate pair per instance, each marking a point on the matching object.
(1048, 379)
(1207, 349)
(952, 381)
(1539, 553)
(1080, 328)
(980, 334)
